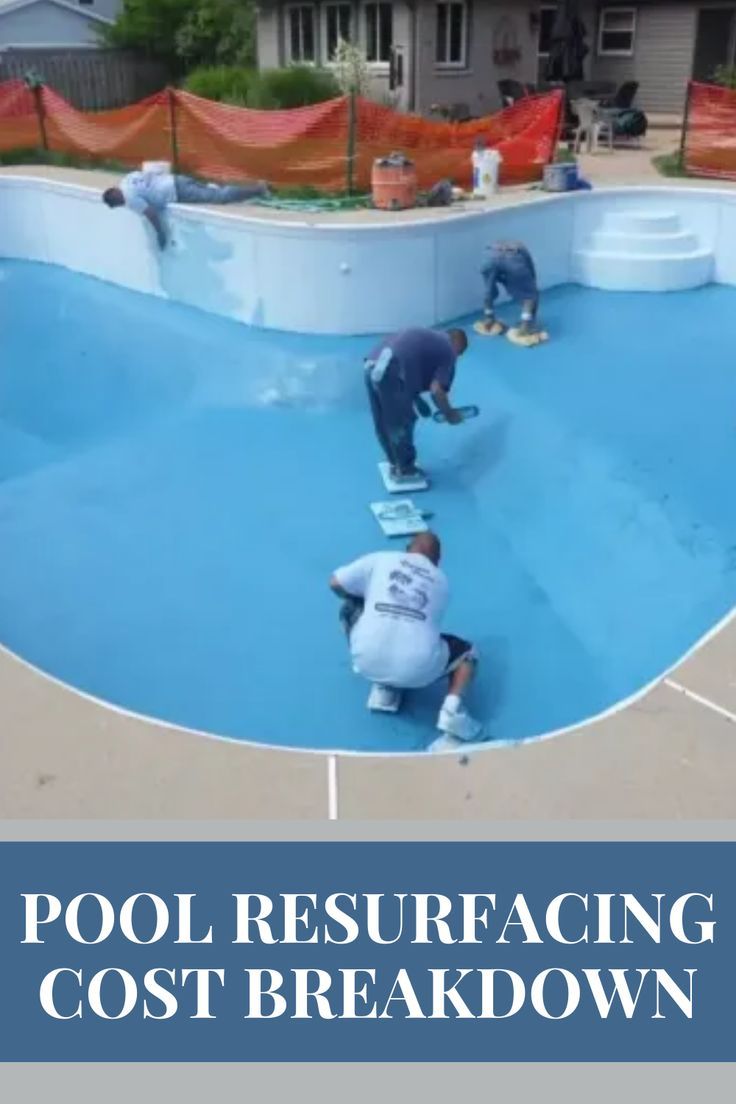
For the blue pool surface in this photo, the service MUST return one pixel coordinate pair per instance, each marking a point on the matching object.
(167, 533)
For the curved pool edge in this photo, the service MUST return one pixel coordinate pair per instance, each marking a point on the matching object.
(250, 266)
(658, 754)
(100, 760)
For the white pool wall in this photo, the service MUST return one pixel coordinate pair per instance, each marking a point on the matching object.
(340, 277)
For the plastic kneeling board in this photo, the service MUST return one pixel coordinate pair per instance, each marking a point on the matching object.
(394, 486)
(399, 517)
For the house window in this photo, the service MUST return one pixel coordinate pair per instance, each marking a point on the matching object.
(379, 33)
(338, 26)
(301, 37)
(616, 32)
(452, 31)
(546, 25)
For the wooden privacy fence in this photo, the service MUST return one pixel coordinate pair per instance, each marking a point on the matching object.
(326, 145)
(91, 80)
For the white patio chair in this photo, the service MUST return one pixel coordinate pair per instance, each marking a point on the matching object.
(594, 124)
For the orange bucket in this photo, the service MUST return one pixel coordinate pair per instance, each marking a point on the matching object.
(394, 183)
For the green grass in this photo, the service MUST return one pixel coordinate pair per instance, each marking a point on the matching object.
(61, 160)
(669, 164)
(39, 156)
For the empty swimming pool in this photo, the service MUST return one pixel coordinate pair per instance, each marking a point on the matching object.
(176, 488)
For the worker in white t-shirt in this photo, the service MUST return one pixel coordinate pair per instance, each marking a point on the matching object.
(393, 604)
(150, 193)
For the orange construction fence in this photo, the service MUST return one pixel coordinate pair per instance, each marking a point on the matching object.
(19, 119)
(709, 131)
(304, 146)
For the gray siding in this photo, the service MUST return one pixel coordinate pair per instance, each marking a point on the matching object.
(475, 85)
(45, 24)
(663, 56)
(272, 51)
(404, 23)
(661, 63)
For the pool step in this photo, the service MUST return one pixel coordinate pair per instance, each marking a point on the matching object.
(634, 272)
(679, 242)
(642, 222)
(642, 251)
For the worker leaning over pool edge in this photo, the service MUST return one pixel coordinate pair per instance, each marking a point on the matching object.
(150, 193)
(509, 265)
(397, 371)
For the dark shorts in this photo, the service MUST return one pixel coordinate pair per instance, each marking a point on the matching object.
(350, 611)
(459, 650)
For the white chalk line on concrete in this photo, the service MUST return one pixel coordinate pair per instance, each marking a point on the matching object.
(333, 808)
(706, 702)
(490, 745)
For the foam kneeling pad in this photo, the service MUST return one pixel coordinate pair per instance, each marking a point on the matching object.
(492, 329)
(528, 340)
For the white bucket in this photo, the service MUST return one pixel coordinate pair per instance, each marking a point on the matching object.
(488, 169)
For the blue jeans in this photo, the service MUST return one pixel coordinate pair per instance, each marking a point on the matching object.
(191, 191)
(511, 267)
(392, 407)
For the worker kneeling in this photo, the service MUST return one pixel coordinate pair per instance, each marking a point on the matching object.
(509, 265)
(392, 608)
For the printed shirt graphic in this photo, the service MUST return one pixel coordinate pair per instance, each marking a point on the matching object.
(423, 357)
(146, 189)
(397, 639)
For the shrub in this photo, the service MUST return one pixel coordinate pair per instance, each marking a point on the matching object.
(351, 70)
(726, 75)
(669, 164)
(185, 34)
(225, 83)
(297, 86)
(217, 32)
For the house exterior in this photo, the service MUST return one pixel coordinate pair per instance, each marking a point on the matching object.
(58, 24)
(424, 53)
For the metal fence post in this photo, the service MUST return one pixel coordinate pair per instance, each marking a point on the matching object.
(352, 139)
(685, 121)
(36, 86)
(171, 92)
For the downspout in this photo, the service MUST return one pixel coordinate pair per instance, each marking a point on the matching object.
(413, 93)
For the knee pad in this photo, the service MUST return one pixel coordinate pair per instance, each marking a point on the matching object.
(528, 340)
(489, 327)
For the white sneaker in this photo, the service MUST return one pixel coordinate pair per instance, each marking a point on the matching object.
(384, 699)
(411, 475)
(445, 742)
(458, 723)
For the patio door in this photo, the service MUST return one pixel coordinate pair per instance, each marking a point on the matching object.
(547, 16)
(715, 43)
(397, 82)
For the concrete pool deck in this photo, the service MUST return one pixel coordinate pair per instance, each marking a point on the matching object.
(630, 165)
(669, 755)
